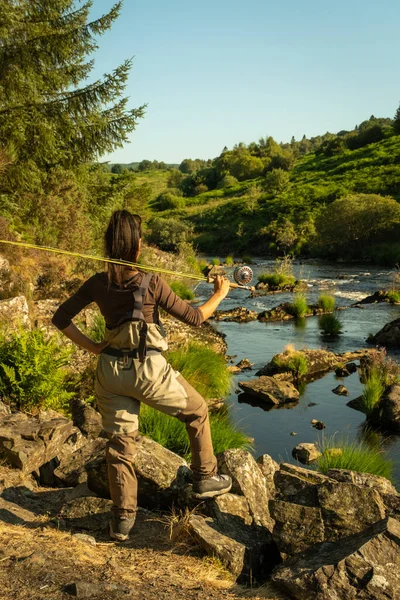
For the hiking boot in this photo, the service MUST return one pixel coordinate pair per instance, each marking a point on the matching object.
(213, 486)
(120, 526)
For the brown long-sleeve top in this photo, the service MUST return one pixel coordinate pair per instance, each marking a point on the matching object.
(114, 302)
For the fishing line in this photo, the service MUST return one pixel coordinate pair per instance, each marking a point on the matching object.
(102, 259)
(242, 275)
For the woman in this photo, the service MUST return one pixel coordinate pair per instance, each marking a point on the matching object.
(131, 368)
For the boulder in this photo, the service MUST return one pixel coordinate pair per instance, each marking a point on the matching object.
(362, 566)
(298, 485)
(381, 484)
(268, 468)
(306, 453)
(247, 551)
(387, 412)
(245, 364)
(87, 512)
(297, 527)
(71, 470)
(271, 390)
(230, 508)
(239, 314)
(162, 475)
(86, 418)
(341, 390)
(15, 311)
(347, 508)
(248, 481)
(378, 296)
(389, 335)
(28, 443)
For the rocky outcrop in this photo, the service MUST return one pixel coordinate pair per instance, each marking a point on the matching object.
(71, 468)
(364, 565)
(4, 409)
(88, 513)
(86, 418)
(247, 481)
(376, 482)
(179, 334)
(268, 467)
(29, 443)
(15, 311)
(379, 296)
(284, 312)
(162, 475)
(239, 315)
(270, 390)
(319, 362)
(387, 412)
(388, 336)
(310, 507)
(247, 551)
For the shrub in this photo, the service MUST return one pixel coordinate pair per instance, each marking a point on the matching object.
(167, 234)
(393, 296)
(226, 182)
(229, 260)
(182, 290)
(329, 325)
(171, 433)
(298, 308)
(204, 369)
(32, 374)
(169, 201)
(355, 457)
(327, 303)
(276, 280)
(216, 262)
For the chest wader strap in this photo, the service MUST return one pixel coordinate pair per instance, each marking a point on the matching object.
(137, 314)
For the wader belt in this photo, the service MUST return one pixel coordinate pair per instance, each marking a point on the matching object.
(128, 353)
(136, 314)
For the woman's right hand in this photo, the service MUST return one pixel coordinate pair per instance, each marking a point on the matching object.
(221, 286)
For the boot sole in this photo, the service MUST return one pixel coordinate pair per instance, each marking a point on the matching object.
(212, 494)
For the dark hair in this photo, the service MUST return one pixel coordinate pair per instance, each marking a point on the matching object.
(122, 242)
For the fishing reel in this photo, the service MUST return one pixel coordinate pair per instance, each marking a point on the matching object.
(242, 276)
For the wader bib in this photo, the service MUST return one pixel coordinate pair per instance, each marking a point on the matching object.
(132, 369)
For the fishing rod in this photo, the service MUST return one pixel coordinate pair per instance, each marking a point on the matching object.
(242, 275)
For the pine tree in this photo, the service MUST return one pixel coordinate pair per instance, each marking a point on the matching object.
(49, 115)
(396, 123)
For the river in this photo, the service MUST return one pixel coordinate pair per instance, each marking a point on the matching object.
(271, 429)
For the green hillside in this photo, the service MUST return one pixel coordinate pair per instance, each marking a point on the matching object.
(282, 210)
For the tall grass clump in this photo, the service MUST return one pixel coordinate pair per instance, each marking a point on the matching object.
(204, 369)
(229, 260)
(292, 360)
(329, 325)
(32, 371)
(393, 297)
(182, 290)
(326, 302)
(171, 433)
(380, 372)
(276, 280)
(215, 262)
(372, 391)
(298, 308)
(355, 456)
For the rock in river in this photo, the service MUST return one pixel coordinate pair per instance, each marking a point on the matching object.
(388, 336)
(271, 390)
(239, 314)
(306, 453)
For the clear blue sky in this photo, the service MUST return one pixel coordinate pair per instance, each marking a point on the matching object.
(215, 73)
